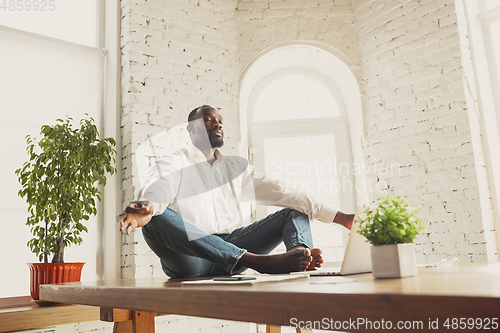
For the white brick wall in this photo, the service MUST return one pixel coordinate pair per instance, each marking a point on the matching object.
(417, 116)
(264, 24)
(176, 55)
(173, 59)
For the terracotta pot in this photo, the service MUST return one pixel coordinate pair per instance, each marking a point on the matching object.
(46, 273)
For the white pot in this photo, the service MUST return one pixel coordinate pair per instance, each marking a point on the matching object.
(393, 260)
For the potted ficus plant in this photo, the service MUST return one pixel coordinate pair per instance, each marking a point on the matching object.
(61, 181)
(391, 228)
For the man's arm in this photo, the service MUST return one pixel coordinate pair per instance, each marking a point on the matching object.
(157, 193)
(163, 183)
(275, 193)
(343, 219)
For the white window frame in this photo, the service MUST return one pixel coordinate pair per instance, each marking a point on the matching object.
(487, 18)
(488, 98)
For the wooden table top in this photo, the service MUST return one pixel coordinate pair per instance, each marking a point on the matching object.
(465, 290)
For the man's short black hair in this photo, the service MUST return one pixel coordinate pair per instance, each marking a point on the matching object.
(193, 114)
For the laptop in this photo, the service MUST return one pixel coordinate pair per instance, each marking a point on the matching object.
(357, 257)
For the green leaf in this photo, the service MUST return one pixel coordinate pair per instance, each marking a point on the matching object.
(389, 223)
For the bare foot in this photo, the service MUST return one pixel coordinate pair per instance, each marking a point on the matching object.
(295, 260)
(316, 261)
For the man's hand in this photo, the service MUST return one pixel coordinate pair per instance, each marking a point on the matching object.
(137, 214)
(344, 219)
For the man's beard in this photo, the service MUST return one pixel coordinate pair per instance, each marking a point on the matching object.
(216, 142)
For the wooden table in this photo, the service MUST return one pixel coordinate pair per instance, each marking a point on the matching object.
(469, 291)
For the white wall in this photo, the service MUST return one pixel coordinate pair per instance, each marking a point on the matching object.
(37, 87)
(264, 25)
(173, 59)
(176, 55)
(418, 117)
(409, 57)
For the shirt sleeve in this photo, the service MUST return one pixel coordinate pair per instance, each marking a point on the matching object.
(163, 183)
(274, 193)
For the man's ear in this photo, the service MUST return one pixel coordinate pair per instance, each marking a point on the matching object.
(190, 128)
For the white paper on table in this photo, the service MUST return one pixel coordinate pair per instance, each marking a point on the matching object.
(258, 279)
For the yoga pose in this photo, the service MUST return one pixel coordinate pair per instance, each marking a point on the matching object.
(190, 213)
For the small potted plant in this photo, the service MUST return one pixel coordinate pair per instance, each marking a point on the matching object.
(391, 228)
(60, 183)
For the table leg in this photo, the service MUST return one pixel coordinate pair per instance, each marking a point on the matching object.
(127, 321)
(273, 329)
(143, 322)
(123, 326)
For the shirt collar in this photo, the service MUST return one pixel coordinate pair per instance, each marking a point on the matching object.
(194, 151)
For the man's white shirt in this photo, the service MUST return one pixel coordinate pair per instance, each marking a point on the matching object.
(209, 196)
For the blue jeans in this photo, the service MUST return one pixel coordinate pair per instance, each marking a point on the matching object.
(209, 255)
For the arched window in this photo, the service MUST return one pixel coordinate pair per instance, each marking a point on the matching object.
(294, 94)
(298, 133)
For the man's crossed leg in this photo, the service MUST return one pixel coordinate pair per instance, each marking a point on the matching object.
(246, 247)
